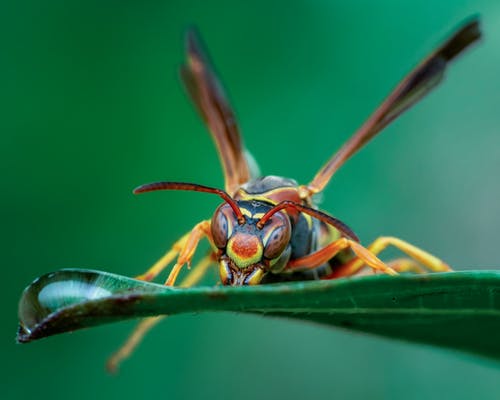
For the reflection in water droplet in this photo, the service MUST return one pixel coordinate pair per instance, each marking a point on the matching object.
(54, 291)
(59, 294)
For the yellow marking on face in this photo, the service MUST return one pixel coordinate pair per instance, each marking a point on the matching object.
(255, 277)
(224, 272)
(244, 249)
(246, 212)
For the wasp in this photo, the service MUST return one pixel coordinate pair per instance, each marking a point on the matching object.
(268, 228)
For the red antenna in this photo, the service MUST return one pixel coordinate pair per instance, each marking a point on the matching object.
(151, 187)
(343, 228)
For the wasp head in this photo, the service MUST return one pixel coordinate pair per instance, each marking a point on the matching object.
(248, 248)
(253, 237)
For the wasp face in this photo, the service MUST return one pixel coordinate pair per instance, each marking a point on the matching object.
(248, 252)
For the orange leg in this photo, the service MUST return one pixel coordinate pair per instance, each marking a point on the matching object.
(146, 324)
(321, 256)
(185, 248)
(163, 262)
(406, 265)
(143, 327)
(428, 260)
(188, 249)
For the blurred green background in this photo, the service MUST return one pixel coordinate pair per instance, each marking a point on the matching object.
(92, 107)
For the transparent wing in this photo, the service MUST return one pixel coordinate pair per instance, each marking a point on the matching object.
(409, 91)
(207, 93)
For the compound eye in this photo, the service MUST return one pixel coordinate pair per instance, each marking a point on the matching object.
(276, 241)
(221, 226)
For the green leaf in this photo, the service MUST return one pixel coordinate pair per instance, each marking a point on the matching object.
(459, 310)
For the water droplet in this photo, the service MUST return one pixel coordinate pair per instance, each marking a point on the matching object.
(55, 291)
